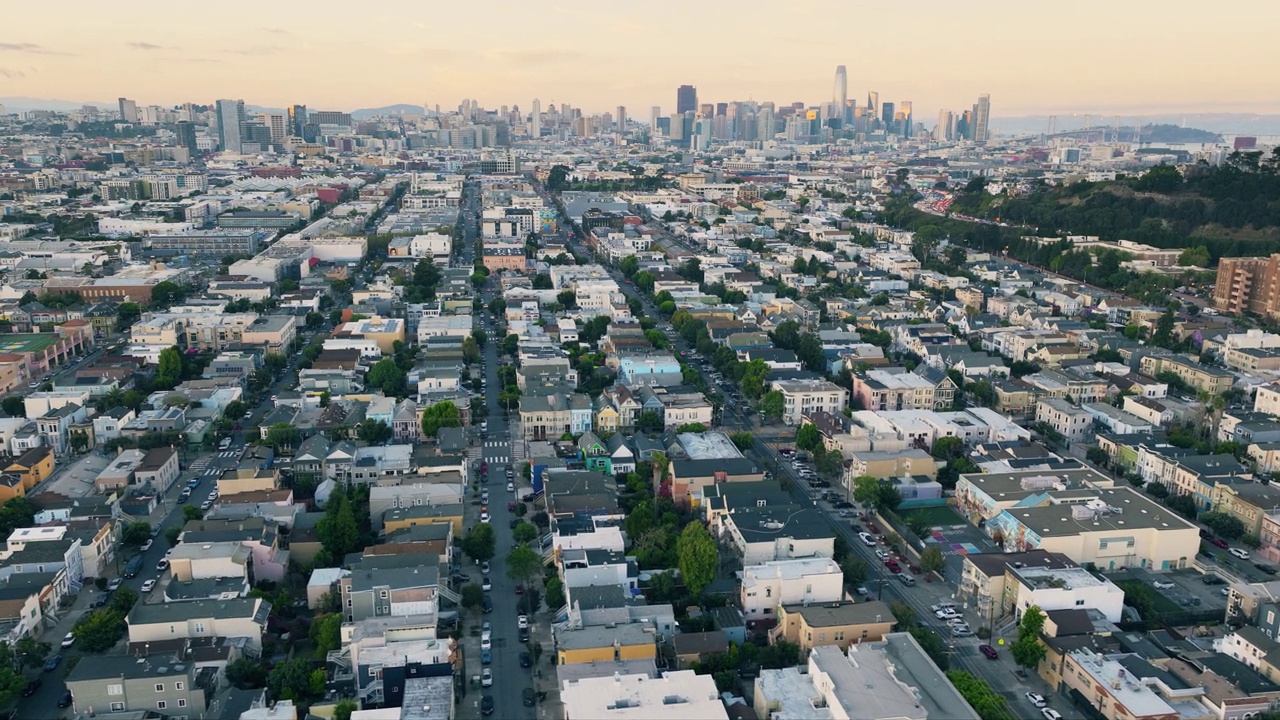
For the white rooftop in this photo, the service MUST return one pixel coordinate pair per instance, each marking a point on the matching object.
(677, 694)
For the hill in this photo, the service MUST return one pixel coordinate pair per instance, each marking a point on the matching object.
(1231, 210)
(398, 109)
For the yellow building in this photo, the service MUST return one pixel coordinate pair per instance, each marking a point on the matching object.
(1250, 502)
(386, 332)
(11, 487)
(607, 419)
(1198, 377)
(407, 517)
(633, 641)
(840, 624)
(33, 466)
(234, 482)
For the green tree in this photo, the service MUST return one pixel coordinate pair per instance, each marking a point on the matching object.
(191, 512)
(1027, 650)
(697, 556)
(338, 531)
(989, 704)
(136, 533)
(374, 432)
(290, 680)
(554, 590)
(386, 376)
(772, 405)
(343, 710)
(1223, 525)
(931, 560)
(866, 490)
(281, 436)
(246, 674)
(511, 344)
(472, 596)
(479, 542)
(742, 440)
(440, 415)
(808, 437)
(1097, 456)
(326, 634)
(1163, 336)
(168, 368)
(99, 630)
(14, 406)
(29, 652)
(166, 293)
(525, 533)
(523, 564)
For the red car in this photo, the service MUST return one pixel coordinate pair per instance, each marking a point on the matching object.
(1219, 542)
(988, 651)
(893, 566)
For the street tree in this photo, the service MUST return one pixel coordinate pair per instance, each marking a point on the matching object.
(808, 437)
(931, 560)
(478, 543)
(772, 405)
(1028, 650)
(523, 564)
(472, 597)
(440, 415)
(525, 532)
(136, 533)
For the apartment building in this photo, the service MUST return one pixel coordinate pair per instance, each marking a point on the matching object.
(1072, 423)
(893, 389)
(1197, 376)
(838, 624)
(109, 684)
(801, 397)
(1248, 284)
(769, 585)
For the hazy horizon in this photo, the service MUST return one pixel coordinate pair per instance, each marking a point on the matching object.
(1143, 59)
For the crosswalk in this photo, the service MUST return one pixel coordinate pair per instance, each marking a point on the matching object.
(497, 452)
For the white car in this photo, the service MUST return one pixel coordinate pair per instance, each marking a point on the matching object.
(1162, 585)
(947, 614)
(148, 586)
(882, 554)
(486, 643)
(486, 631)
(147, 545)
(522, 622)
(69, 640)
(942, 605)
(486, 584)
(867, 539)
(206, 504)
(1240, 553)
(486, 678)
(484, 568)
(484, 517)
(511, 487)
(163, 564)
(1036, 699)
(1050, 714)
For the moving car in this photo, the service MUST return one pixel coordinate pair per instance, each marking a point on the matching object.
(68, 640)
(1036, 699)
(867, 539)
(1050, 714)
(989, 652)
(1240, 553)
(52, 663)
(148, 586)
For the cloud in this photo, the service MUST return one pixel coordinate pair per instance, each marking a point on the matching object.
(145, 46)
(30, 48)
(277, 31)
(256, 50)
(11, 73)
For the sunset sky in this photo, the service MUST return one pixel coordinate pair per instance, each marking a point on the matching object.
(1033, 57)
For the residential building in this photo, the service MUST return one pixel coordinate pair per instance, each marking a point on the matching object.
(102, 685)
(1124, 686)
(1196, 376)
(893, 389)
(801, 397)
(237, 618)
(676, 693)
(1071, 422)
(768, 586)
(1248, 284)
(839, 624)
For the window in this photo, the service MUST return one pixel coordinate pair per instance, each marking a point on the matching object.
(182, 702)
(160, 704)
(115, 689)
(117, 707)
(179, 685)
(838, 636)
(768, 592)
(199, 627)
(1079, 602)
(382, 594)
(159, 687)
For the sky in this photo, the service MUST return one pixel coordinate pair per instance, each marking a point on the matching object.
(1033, 57)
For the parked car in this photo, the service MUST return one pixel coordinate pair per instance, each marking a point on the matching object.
(862, 590)
(148, 586)
(163, 564)
(522, 622)
(526, 660)
(115, 583)
(486, 657)
(147, 545)
(1050, 714)
(893, 566)
(989, 652)
(867, 539)
(65, 700)
(1239, 552)
(1036, 699)
(486, 704)
(68, 640)
(1212, 579)
(33, 686)
(1162, 585)
(486, 677)
(1219, 542)
(52, 663)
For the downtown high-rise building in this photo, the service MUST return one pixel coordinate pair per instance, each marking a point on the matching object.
(128, 110)
(982, 119)
(873, 105)
(620, 118)
(230, 115)
(535, 120)
(945, 130)
(655, 116)
(840, 95)
(904, 109)
(686, 99)
(278, 125)
(297, 119)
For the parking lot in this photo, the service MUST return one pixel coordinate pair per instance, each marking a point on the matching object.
(1185, 589)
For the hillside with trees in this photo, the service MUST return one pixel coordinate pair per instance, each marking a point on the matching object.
(1230, 210)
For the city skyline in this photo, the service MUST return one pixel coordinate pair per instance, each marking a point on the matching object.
(406, 54)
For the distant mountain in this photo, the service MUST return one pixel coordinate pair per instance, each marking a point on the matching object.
(23, 104)
(1220, 123)
(399, 109)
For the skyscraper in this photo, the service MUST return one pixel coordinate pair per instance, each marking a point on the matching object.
(620, 118)
(982, 119)
(297, 119)
(128, 110)
(905, 109)
(535, 120)
(230, 118)
(186, 135)
(278, 125)
(886, 115)
(655, 116)
(945, 130)
(840, 94)
(873, 105)
(686, 99)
